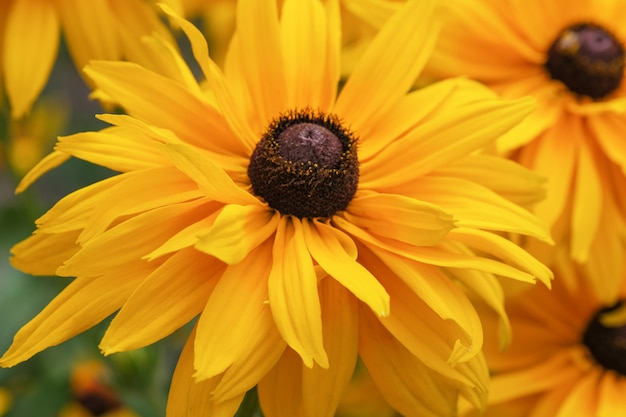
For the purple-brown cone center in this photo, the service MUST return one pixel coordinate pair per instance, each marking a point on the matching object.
(606, 344)
(305, 165)
(588, 59)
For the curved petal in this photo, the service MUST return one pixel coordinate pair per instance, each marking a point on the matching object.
(293, 294)
(43, 253)
(81, 305)
(211, 179)
(31, 40)
(399, 218)
(236, 231)
(191, 398)
(390, 65)
(232, 311)
(407, 384)
(280, 391)
(335, 252)
(322, 388)
(166, 300)
(51, 161)
(303, 34)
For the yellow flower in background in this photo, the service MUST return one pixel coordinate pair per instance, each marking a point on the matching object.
(568, 355)
(302, 227)
(94, 29)
(570, 56)
(5, 401)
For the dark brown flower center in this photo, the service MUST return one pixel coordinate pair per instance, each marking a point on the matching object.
(305, 165)
(588, 59)
(607, 344)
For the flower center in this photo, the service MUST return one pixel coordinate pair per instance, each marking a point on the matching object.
(305, 165)
(587, 59)
(607, 344)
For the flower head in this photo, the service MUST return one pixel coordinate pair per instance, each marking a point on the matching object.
(303, 227)
(571, 58)
(568, 355)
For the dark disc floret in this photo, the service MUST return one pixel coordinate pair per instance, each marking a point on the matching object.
(305, 165)
(607, 345)
(588, 59)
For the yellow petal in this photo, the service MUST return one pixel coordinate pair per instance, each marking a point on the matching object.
(503, 249)
(166, 300)
(587, 205)
(611, 398)
(81, 305)
(141, 234)
(303, 34)
(399, 218)
(31, 41)
(51, 161)
(233, 309)
(436, 142)
(293, 295)
(211, 179)
(407, 384)
(335, 252)
(236, 231)
(258, 34)
(90, 30)
(258, 355)
(139, 191)
(332, 74)
(114, 148)
(390, 65)
(322, 388)
(43, 253)
(191, 398)
(280, 391)
(171, 106)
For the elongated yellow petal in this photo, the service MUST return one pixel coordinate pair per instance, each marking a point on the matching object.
(193, 119)
(293, 294)
(230, 314)
(104, 254)
(91, 30)
(51, 161)
(31, 41)
(166, 300)
(610, 401)
(42, 253)
(384, 74)
(191, 398)
(335, 252)
(211, 179)
(258, 355)
(83, 304)
(405, 219)
(303, 34)
(340, 328)
(258, 34)
(407, 384)
(237, 231)
(280, 391)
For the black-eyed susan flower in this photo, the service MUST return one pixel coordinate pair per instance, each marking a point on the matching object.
(571, 58)
(302, 227)
(96, 29)
(568, 354)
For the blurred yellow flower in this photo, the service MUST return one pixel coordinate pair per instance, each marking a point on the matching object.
(303, 227)
(94, 29)
(568, 355)
(5, 401)
(570, 56)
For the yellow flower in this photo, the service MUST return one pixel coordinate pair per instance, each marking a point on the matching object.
(302, 226)
(5, 401)
(94, 29)
(568, 356)
(570, 56)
